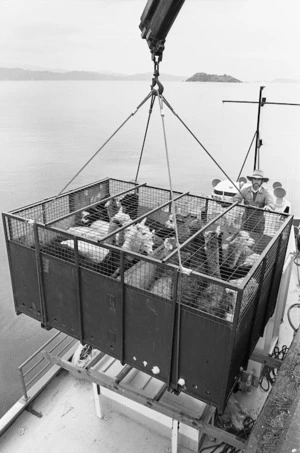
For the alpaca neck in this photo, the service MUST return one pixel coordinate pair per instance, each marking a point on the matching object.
(213, 260)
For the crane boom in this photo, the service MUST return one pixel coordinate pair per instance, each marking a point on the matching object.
(156, 21)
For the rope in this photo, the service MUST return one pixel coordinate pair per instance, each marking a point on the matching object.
(94, 155)
(145, 136)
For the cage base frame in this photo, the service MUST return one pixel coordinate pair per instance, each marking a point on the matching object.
(114, 383)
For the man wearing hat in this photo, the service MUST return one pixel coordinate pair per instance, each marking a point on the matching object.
(256, 196)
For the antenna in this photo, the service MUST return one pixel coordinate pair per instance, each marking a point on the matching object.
(261, 102)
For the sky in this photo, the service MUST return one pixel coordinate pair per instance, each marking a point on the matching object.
(251, 40)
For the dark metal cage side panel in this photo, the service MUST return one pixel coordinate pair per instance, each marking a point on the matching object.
(277, 269)
(60, 281)
(102, 312)
(203, 346)
(25, 282)
(272, 265)
(240, 350)
(148, 327)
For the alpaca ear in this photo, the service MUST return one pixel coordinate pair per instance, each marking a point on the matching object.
(218, 230)
(143, 221)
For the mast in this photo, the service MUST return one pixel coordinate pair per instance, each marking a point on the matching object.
(258, 141)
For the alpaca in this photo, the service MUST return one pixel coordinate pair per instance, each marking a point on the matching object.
(250, 260)
(130, 204)
(117, 221)
(188, 286)
(97, 231)
(187, 225)
(93, 252)
(113, 207)
(212, 253)
(161, 231)
(249, 292)
(214, 298)
(163, 287)
(139, 238)
(87, 232)
(101, 211)
(197, 251)
(237, 248)
(142, 274)
(98, 212)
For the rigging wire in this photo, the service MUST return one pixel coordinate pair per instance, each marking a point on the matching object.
(247, 154)
(162, 114)
(94, 155)
(202, 146)
(160, 99)
(145, 135)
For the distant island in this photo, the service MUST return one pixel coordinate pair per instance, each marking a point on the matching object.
(203, 77)
(44, 74)
(19, 74)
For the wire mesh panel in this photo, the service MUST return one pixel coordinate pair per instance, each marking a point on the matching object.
(127, 268)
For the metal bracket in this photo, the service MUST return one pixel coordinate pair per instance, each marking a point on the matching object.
(34, 412)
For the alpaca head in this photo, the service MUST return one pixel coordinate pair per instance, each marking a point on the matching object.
(121, 218)
(139, 238)
(211, 241)
(85, 217)
(249, 241)
(113, 206)
(169, 244)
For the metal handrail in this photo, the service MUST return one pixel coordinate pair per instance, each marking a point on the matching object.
(27, 385)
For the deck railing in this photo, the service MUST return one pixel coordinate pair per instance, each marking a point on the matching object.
(36, 366)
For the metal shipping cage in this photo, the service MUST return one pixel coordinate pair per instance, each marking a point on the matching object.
(188, 310)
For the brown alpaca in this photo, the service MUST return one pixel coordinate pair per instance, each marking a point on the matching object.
(214, 298)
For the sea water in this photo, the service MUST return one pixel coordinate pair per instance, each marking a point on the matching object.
(49, 130)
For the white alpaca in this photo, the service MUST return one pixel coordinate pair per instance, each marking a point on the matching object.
(142, 274)
(139, 238)
(94, 252)
(94, 232)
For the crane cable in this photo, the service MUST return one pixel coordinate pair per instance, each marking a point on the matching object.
(162, 114)
(153, 97)
(92, 157)
(202, 146)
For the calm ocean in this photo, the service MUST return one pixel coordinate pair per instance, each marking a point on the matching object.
(48, 130)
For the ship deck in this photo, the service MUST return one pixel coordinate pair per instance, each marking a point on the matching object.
(69, 423)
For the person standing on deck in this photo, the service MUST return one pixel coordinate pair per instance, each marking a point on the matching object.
(256, 196)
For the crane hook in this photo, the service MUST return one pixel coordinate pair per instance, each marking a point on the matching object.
(155, 80)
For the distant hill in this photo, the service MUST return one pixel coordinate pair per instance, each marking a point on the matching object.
(286, 81)
(203, 77)
(25, 74)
